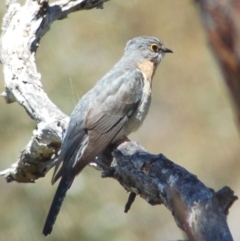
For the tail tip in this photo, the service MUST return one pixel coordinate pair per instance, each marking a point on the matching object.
(47, 231)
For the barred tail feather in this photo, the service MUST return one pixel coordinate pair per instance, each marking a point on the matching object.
(62, 189)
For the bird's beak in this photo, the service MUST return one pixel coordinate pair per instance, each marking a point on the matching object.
(166, 50)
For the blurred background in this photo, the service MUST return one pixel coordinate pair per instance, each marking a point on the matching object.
(191, 121)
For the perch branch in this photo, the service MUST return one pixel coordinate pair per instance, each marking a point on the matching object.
(198, 210)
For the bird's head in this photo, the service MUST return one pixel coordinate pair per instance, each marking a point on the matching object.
(144, 47)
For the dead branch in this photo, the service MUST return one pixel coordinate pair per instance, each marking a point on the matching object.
(22, 29)
(198, 210)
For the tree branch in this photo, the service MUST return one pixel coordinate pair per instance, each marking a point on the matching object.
(153, 177)
(198, 210)
(23, 28)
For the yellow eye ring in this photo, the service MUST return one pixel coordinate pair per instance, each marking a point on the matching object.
(154, 48)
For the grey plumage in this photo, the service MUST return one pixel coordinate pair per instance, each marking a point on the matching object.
(111, 110)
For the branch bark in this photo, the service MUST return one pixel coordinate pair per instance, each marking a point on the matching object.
(23, 28)
(199, 211)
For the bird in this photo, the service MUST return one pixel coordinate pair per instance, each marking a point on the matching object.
(115, 107)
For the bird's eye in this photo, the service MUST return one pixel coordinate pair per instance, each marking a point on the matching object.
(154, 48)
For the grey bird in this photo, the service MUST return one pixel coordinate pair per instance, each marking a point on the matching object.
(115, 107)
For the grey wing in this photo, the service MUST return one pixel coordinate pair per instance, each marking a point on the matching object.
(110, 104)
(74, 138)
(112, 110)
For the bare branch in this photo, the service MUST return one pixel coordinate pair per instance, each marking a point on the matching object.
(62, 8)
(22, 29)
(198, 210)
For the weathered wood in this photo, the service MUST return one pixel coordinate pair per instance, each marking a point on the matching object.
(22, 29)
(198, 210)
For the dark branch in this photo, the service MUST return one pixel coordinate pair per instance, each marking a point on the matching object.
(130, 201)
(198, 210)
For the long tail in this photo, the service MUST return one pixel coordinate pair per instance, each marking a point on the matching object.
(63, 186)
